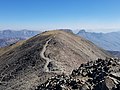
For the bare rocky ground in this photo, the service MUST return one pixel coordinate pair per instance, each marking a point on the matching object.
(93, 75)
(29, 63)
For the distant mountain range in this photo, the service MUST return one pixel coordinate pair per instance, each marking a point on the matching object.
(115, 53)
(9, 41)
(18, 34)
(108, 41)
(8, 37)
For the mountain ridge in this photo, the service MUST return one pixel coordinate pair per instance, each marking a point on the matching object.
(31, 62)
(108, 41)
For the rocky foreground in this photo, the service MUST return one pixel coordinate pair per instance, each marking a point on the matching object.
(94, 75)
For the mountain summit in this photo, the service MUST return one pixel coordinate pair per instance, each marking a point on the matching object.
(28, 63)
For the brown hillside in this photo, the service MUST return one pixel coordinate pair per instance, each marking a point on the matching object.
(26, 64)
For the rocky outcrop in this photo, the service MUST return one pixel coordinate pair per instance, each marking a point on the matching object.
(94, 75)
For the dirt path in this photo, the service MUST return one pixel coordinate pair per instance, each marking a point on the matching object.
(42, 54)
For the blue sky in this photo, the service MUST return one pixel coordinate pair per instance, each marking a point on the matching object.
(93, 15)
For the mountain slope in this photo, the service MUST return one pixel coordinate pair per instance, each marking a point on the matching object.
(28, 63)
(108, 41)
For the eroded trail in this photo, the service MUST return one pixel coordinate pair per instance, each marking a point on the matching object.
(42, 54)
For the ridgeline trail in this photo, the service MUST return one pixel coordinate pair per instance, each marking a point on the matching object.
(42, 54)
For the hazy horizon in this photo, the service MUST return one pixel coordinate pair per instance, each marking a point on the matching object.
(74, 30)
